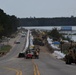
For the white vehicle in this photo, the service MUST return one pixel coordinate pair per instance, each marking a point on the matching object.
(23, 34)
(17, 42)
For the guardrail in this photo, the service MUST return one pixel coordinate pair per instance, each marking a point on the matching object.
(27, 42)
(22, 54)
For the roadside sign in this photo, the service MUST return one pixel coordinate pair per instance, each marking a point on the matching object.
(66, 28)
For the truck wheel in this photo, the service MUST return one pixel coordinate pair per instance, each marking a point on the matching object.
(68, 61)
(75, 61)
(37, 57)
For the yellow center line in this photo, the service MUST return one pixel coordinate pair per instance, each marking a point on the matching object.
(18, 72)
(36, 70)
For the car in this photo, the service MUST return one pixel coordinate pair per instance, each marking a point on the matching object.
(17, 42)
(29, 55)
(21, 55)
(23, 35)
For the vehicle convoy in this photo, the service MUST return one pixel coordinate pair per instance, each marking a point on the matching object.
(32, 54)
(71, 56)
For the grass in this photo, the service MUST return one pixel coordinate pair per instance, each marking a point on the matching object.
(5, 48)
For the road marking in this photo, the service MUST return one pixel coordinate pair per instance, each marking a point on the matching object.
(36, 70)
(18, 72)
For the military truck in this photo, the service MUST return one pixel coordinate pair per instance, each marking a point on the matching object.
(71, 56)
(38, 41)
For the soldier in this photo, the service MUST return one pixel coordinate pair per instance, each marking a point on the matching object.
(38, 50)
(36, 54)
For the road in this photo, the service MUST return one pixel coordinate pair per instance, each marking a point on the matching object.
(10, 64)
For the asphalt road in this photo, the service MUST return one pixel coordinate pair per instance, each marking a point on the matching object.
(49, 65)
(45, 65)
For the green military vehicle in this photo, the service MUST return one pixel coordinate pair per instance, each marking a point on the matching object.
(71, 56)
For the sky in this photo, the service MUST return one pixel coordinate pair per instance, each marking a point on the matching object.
(39, 8)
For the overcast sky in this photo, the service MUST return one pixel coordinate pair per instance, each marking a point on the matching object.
(39, 8)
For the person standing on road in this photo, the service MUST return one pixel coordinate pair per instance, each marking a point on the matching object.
(37, 54)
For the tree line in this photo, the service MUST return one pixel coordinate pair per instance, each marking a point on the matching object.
(58, 21)
(8, 24)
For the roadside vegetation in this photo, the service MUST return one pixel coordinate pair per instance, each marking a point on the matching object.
(8, 24)
(8, 29)
(56, 36)
(4, 49)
